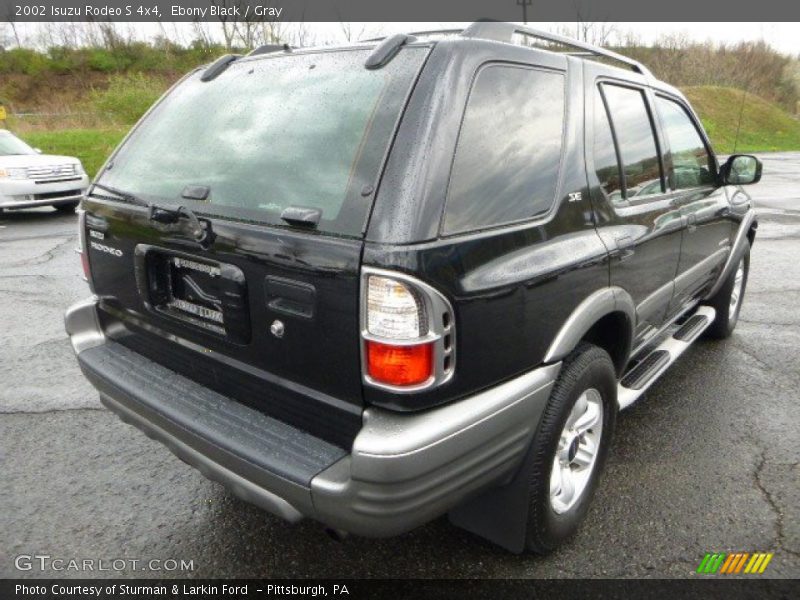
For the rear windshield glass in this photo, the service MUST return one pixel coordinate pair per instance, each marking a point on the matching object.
(304, 130)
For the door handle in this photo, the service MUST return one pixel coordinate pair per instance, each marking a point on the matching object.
(290, 297)
(625, 247)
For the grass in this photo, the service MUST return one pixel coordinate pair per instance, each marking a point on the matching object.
(765, 126)
(91, 146)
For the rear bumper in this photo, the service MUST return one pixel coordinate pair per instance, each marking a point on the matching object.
(402, 470)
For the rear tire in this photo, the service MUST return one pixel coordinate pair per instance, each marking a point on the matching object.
(67, 207)
(728, 300)
(570, 447)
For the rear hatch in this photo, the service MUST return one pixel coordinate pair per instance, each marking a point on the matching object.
(252, 287)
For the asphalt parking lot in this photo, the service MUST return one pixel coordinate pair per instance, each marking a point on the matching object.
(708, 461)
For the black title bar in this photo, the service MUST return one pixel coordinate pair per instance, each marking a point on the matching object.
(398, 10)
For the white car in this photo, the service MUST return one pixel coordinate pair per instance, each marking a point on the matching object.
(29, 179)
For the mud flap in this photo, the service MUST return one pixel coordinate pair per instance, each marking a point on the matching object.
(500, 515)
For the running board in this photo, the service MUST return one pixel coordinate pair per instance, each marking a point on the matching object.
(637, 380)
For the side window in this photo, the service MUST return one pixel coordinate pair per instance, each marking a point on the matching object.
(606, 164)
(637, 143)
(509, 149)
(690, 161)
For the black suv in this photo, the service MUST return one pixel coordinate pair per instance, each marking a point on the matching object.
(420, 275)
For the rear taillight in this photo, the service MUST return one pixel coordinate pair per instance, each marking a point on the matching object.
(82, 248)
(408, 332)
(399, 365)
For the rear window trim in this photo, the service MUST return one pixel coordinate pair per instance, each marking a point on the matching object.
(536, 219)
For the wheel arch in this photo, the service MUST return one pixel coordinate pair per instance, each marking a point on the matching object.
(605, 318)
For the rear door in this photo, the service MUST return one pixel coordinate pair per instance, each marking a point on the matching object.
(637, 219)
(266, 308)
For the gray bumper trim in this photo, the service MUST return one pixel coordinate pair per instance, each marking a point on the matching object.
(403, 470)
(243, 488)
(407, 469)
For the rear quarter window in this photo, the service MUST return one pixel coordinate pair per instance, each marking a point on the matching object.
(509, 149)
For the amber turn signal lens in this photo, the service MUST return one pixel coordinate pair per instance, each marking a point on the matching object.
(399, 365)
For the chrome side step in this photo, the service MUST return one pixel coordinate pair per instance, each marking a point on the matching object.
(638, 379)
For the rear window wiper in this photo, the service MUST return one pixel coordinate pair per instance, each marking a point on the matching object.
(127, 196)
(200, 230)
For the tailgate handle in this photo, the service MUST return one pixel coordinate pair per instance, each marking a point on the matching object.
(290, 297)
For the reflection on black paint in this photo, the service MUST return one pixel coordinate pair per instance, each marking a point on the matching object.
(506, 165)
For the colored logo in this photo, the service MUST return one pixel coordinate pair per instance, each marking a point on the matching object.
(735, 563)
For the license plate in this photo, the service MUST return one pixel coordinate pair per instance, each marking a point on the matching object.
(194, 293)
(196, 309)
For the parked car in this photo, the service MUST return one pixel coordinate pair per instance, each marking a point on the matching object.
(385, 282)
(29, 178)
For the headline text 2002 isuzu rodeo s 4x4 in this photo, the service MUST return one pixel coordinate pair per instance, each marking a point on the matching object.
(376, 284)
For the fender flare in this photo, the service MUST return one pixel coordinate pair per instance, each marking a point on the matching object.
(737, 250)
(600, 303)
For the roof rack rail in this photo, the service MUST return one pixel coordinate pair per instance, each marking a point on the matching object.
(218, 66)
(500, 31)
(504, 32)
(387, 50)
(267, 48)
(425, 33)
(436, 32)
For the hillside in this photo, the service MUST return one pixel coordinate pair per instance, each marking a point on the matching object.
(765, 126)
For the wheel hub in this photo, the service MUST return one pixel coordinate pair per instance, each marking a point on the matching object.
(573, 449)
(576, 453)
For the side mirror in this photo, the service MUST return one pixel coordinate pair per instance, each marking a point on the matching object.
(741, 169)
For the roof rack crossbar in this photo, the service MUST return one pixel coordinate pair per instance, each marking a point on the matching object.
(504, 32)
